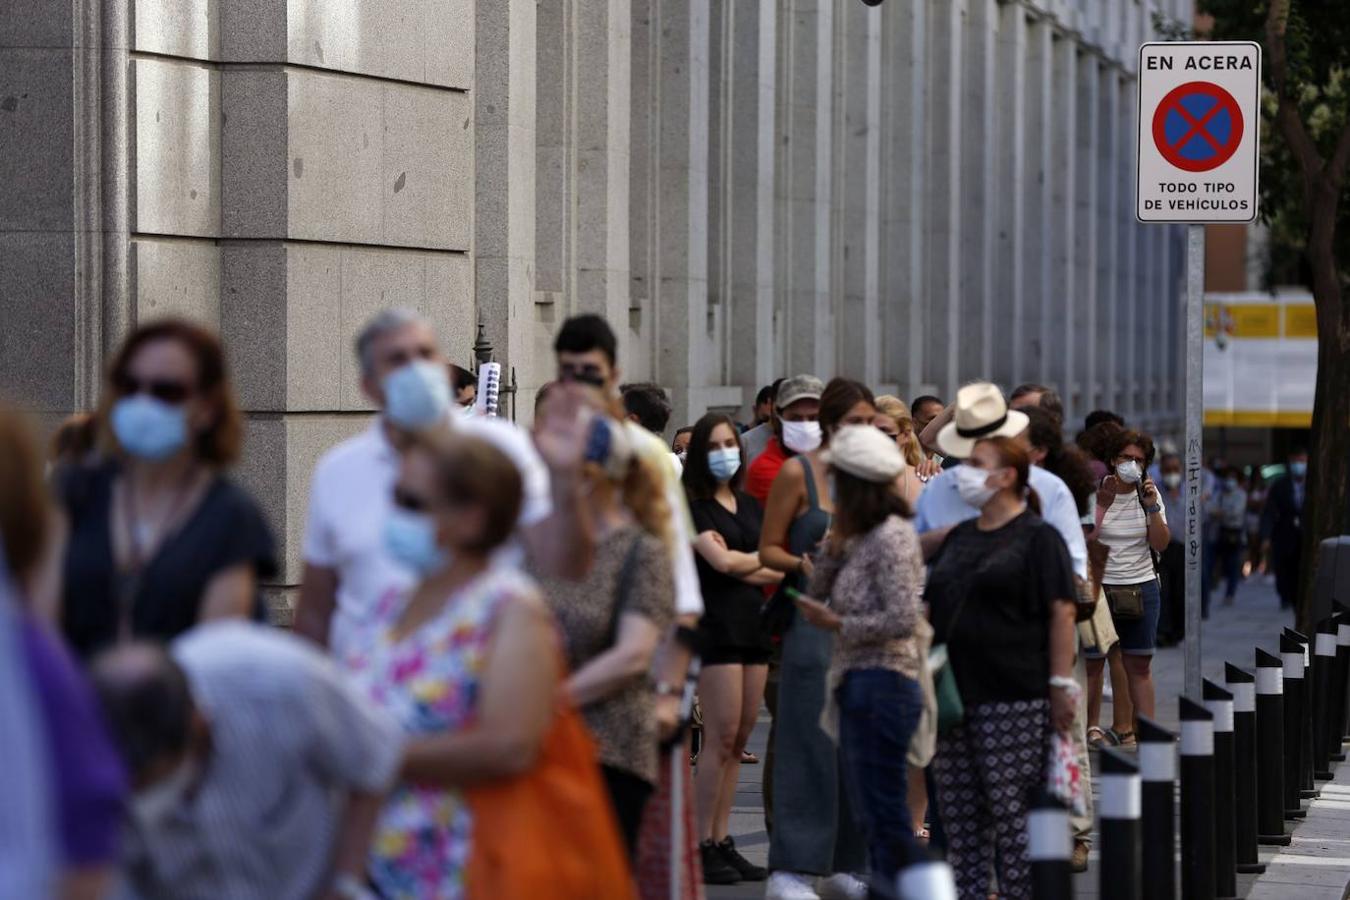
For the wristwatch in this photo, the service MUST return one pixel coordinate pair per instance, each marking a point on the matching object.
(1154, 509)
(666, 689)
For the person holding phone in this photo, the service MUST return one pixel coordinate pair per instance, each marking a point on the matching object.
(871, 576)
(1132, 522)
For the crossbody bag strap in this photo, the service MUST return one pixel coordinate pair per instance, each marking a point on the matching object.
(626, 574)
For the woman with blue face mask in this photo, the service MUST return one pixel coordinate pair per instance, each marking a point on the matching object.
(157, 537)
(734, 646)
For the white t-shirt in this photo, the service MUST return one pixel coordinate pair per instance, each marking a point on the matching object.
(351, 495)
(1125, 530)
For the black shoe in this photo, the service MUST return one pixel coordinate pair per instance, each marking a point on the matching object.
(747, 870)
(716, 868)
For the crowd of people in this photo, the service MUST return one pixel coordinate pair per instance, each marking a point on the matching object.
(501, 635)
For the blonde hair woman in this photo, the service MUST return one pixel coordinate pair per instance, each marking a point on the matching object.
(894, 420)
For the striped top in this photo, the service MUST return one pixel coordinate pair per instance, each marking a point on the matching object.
(289, 737)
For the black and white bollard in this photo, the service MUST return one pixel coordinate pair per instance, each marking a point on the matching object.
(1291, 653)
(1306, 787)
(926, 878)
(1219, 702)
(1050, 849)
(1158, 784)
(1118, 811)
(1269, 750)
(1342, 692)
(1242, 685)
(1197, 801)
(1324, 664)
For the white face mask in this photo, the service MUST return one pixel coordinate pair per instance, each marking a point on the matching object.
(973, 486)
(1128, 471)
(151, 806)
(801, 437)
(1172, 480)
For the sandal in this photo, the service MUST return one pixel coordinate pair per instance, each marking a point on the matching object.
(1098, 738)
(1124, 738)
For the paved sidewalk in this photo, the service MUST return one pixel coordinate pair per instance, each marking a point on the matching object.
(1316, 866)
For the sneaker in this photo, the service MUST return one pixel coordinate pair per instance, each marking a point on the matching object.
(843, 886)
(789, 886)
(1080, 856)
(748, 870)
(716, 868)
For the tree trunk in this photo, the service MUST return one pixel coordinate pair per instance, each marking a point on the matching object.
(1325, 512)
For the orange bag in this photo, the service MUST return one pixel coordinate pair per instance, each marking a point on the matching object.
(550, 833)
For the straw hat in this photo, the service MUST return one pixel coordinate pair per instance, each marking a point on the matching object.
(981, 412)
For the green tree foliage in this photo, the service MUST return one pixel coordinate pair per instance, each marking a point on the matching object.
(1305, 149)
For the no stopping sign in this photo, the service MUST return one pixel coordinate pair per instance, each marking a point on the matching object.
(1198, 129)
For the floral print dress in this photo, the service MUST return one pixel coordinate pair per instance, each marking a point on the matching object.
(429, 680)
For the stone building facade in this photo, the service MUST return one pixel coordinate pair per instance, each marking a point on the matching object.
(914, 194)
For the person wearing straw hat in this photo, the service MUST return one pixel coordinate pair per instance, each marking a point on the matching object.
(866, 590)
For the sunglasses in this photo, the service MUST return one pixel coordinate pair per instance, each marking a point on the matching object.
(587, 374)
(166, 389)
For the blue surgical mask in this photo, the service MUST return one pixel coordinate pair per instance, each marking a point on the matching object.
(724, 463)
(1231, 484)
(149, 429)
(417, 395)
(410, 538)
(1298, 468)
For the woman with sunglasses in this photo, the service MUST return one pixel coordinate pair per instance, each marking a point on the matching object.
(468, 661)
(896, 422)
(157, 538)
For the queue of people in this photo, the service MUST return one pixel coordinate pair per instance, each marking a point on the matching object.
(499, 633)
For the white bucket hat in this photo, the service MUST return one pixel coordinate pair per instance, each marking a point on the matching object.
(865, 452)
(981, 412)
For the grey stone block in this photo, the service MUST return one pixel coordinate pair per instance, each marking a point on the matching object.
(255, 166)
(427, 189)
(37, 320)
(178, 152)
(334, 176)
(187, 28)
(36, 23)
(315, 345)
(36, 139)
(253, 321)
(177, 278)
(425, 41)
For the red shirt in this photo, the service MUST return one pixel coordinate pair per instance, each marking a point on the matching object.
(764, 470)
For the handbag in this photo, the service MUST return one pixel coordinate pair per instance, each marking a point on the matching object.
(951, 710)
(777, 614)
(561, 811)
(1126, 601)
(924, 742)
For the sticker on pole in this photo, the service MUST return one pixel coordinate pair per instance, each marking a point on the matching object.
(1199, 109)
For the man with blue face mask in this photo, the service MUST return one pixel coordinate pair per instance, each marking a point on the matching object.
(348, 566)
(1282, 526)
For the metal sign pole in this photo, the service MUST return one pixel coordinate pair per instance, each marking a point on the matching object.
(1195, 336)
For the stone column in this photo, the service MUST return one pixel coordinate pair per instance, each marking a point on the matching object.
(1088, 222)
(946, 63)
(504, 187)
(1108, 295)
(676, 219)
(857, 166)
(980, 204)
(806, 106)
(1064, 301)
(554, 162)
(1034, 365)
(1012, 179)
(904, 211)
(601, 84)
(741, 175)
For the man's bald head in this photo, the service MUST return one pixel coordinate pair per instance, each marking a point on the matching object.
(147, 703)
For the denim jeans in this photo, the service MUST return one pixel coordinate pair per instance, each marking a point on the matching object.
(878, 712)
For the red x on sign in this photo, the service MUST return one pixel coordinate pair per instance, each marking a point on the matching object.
(1197, 126)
